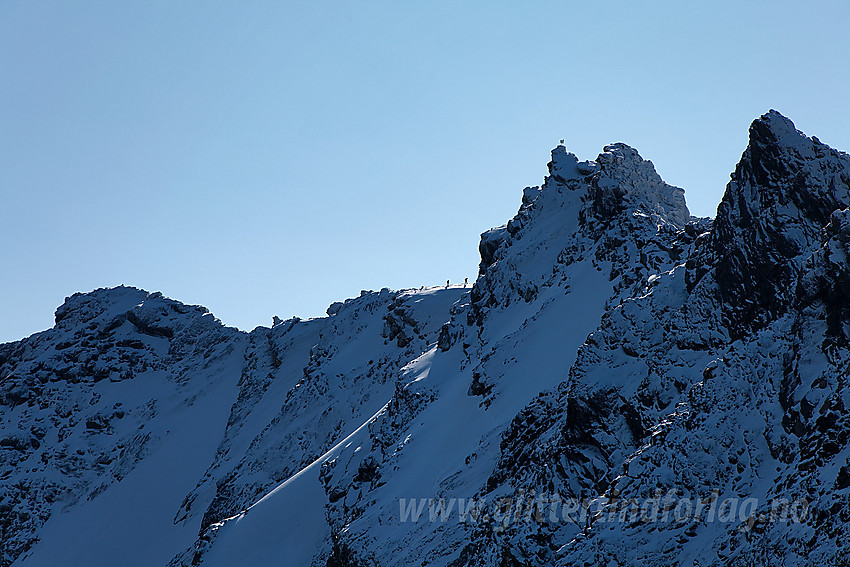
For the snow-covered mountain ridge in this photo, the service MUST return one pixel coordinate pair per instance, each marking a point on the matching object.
(615, 355)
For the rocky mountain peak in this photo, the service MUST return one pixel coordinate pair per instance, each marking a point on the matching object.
(615, 211)
(104, 311)
(82, 308)
(619, 180)
(772, 217)
(627, 182)
(783, 168)
(776, 133)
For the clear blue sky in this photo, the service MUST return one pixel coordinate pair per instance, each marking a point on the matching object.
(268, 158)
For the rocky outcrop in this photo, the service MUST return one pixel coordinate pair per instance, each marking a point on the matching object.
(772, 217)
(68, 431)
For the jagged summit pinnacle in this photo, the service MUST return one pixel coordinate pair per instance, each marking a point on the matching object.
(772, 216)
(774, 129)
(783, 167)
(618, 180)
(645, 191)
(565, 165)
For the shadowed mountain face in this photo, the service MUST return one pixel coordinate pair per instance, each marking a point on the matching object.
(624, 384)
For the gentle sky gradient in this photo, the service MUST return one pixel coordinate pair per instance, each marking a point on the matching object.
(268, 158)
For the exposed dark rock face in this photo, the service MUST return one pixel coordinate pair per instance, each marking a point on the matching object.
(780, 198)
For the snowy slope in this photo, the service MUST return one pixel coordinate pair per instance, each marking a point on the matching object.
(113, 410)
(614, 353)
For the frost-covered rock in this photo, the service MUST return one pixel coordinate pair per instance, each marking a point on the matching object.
(619, 375)
(106, 389)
